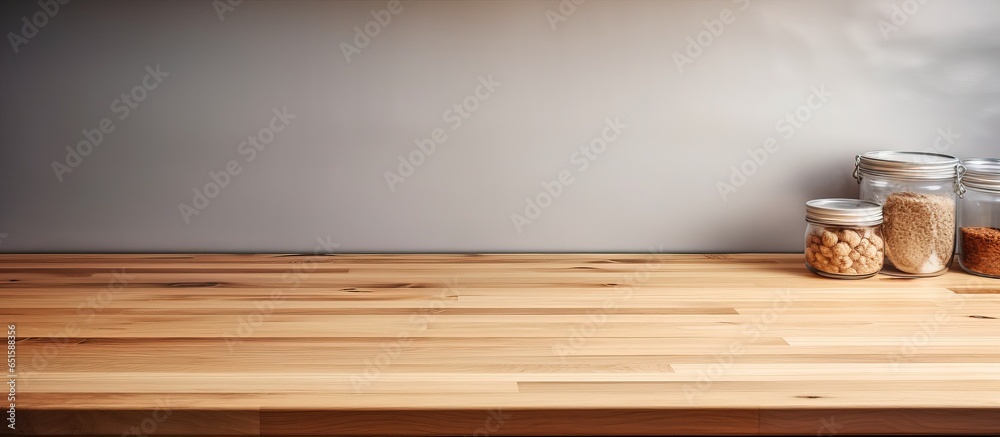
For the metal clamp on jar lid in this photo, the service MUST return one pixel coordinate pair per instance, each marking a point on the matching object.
(910, 166)
(981, 174)
(843, 212)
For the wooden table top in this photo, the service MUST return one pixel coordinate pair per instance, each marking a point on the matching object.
(572, 344)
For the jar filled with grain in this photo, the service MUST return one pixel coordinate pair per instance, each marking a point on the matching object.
(919, 194)
(979, 218)
(843, 239)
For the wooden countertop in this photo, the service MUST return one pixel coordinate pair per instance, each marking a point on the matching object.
(573, 344)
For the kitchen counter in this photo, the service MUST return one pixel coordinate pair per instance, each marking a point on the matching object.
(572, 344)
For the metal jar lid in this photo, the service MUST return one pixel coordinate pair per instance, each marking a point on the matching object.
(843, 212)
(906, 165)
(982, 174)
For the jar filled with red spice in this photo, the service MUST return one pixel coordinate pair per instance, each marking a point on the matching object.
(979, 218)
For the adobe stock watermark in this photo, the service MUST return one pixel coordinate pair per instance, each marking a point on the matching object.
(788, 125)
(149, 425)
(90, 308)
(390, 351)
(250, 148)
(563, 10)
(94, 305)
(828, 427)
(759, 324)
(292, 280)
(124, 105)
(580, 159)
(12, 376)
(929, 329)
(493, 423)
(899, 15)
(456, 115)
(714, 28)
(582, 332)
(364, 35)
(31, 27)
(223, 7)
(944, 140)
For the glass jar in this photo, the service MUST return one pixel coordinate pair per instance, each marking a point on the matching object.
(919, 194)
(979, 218)
(843, 239)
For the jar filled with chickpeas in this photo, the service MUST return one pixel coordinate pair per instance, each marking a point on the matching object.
(843, 238)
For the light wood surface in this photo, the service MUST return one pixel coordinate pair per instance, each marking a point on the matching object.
(571, 344)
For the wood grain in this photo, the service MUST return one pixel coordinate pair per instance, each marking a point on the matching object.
(553, 344)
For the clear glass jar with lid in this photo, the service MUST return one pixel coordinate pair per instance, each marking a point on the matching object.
(979, 218)
(843, 239)
(919, 193)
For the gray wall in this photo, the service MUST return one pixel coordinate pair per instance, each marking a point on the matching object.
(656, 184)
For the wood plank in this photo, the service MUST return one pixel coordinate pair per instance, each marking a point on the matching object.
(498, 421)
(163, 420)
(918, 421)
